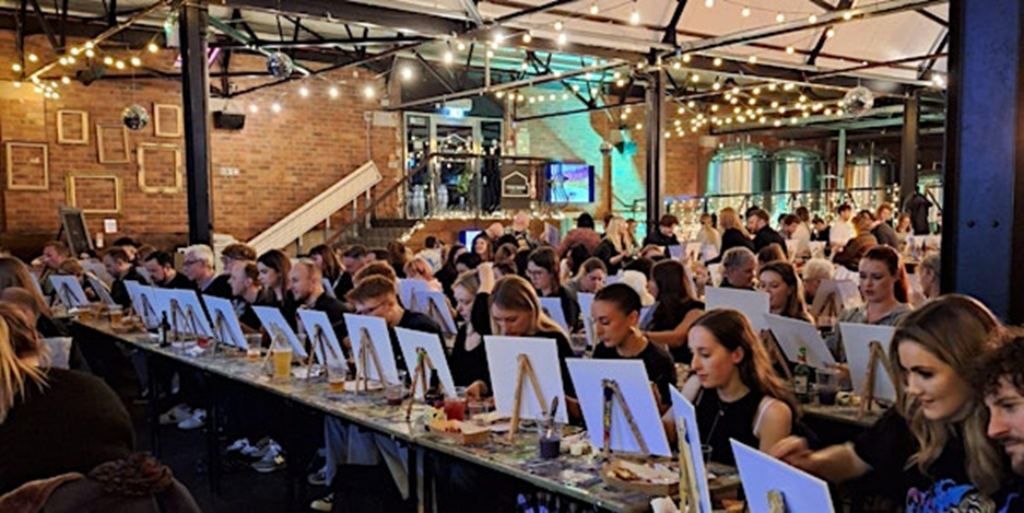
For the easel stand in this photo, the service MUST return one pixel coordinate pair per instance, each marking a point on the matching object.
(775, 352)
(367, 351)
(689, 492)
(525, 371)
(189, 320)
(68, 295)
(320, 340)
(221, 333)
(434, 312)
(868, 395)
(613, 394)
(419, 377)
(147, 310)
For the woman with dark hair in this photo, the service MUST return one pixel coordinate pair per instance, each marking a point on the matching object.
(771, 253)
(734, 388)
(589, 278)
(448, 273)
(785, 292)
(274, 267)
(482, 246)
(398, 256)
(675, 308)
(327, 261)
(616, 312)
(506, 253)
(883, 283)
(542, 269)
(929, 452)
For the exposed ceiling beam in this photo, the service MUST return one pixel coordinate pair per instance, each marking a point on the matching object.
(334, 10)
(470, 7)
(813, 56)
(933, 17)
(531, 10)
(326, 43)
(671, 35)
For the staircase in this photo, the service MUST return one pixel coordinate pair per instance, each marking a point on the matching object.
(295, 226)
(381, 232)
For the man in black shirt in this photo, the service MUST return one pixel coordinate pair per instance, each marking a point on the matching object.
(764, 236)
(307, 287)
(199, 268)
(245, 286)
(739, 265)
(664, 235)
(118, 264)
(160, 266)
(377, 296)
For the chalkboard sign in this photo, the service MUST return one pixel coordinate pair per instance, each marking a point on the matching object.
(72, 226)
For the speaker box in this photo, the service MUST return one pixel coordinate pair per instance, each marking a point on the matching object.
(228, 121)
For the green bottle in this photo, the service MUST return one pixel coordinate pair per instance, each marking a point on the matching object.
(801, 378)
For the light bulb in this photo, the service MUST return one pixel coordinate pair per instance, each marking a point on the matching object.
(109, 61)
(75, 51)
(830, 33)
(527, 37)
(368, 91)
(780, 17)
(16, 84)
(33, 57)
(524, 66)
(304, 92)
(16, 67)
(695, 78)
(119, 64)
(639, 126)
(71, 60)
(562, 38)
(460, 45)
(65, 80)
(276, 107)
(634, 17)
(772, 86)
(406, 73)
(90, 54)
(687, 58)
(716, 86)
(709, 3)
(490, 53)
(63, 61)
(676, 65)
(752, 59)
(153, 48)
(757, 91)
(449, 57)
(790, 50)
(691, 104)
(594, 9)
(499, 94)
(745, 12)
(253, 108)
(717, 62)
(559, 26)
(848, 15)
(136, 62)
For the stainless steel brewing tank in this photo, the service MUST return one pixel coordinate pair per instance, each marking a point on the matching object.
(797, 169)
(867, 171)
(740, 169)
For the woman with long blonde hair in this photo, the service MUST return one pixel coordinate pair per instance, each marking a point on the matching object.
(613, 250)
(76, 417)
(734, 234)
(930, 451)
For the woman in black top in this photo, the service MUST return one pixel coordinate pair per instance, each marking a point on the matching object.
(616, 320)
(52, 421)
(468, 359)
(327, 261)
(733, 387)
(675, 308)
(274, 267)
(542, 269)
(733, 234)
(448, 273)
(930, 450)
(613, 249)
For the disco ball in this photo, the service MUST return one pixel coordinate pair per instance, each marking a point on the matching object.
(858, 101)
(135, 117)
(280, 65)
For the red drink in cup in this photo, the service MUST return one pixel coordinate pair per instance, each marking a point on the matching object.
(455, 408)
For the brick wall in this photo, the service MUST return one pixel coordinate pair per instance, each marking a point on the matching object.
(284, 159)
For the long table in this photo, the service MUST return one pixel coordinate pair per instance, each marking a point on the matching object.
(573, 477)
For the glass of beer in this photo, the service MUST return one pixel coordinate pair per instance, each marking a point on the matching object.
(282, 358)
(336, 374)
(116, 314)
(254, 341)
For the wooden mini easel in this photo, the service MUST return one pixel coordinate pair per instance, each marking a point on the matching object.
(368, 351)
(434, 312)
(68, 295)
(612, 394)
(689, 491)
(147, 309)
(319, 339)
(189, 320)
(525, 371)
(221, 333)
(419, 376)
(775, 353)
(877, 355)
(776, 502)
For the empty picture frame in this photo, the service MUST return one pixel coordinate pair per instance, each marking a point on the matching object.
(167, 120)
(28, 166)
(169, 161)
(87, 191)
(112, 143)
(72, 127)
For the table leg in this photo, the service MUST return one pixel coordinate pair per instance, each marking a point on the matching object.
(153, 408)
(416, 499)
(213, 435)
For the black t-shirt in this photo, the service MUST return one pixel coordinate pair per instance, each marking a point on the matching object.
(667, 319)
(720, 421)
(766, 237)
(660, 368)
(605, 252)
(732, 238)
(887, 447)
(119, 291)
(344, 286)
(917, 205)
(180, 281)
(219, 287)
(656, 238)
(468, 366)
(73, 424)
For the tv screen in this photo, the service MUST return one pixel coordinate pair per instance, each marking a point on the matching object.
(467, 236)
(570, 182)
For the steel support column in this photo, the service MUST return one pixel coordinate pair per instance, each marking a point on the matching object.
(908, 153)
(655, 145)
(983, 206)
(195, 87)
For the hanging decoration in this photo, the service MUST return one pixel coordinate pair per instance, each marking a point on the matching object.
(858, 101)
(135, 117)
(280, 65)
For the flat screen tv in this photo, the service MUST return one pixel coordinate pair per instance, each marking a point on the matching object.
(570, 182)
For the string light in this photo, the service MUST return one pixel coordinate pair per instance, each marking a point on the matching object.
(848, 15)
(527, 37)
(687, 58)
(369, 92)
(745, 12)
(153, 48)
(90, 54)
(752, 59)
(780, 17)
(594, 9)
(65, 80)
(304, 92)
(119, 64)
(562, 39)
(717, 62)
(830, 33)
(136, 62)
(709, 3)
(790, 50)
(406, 73)
(449, 57)
(276, 107)
(634, 17)
(253, 108)
(559, 26)
(33, 57)
(16, 67)
(460, 45)
(812, 19)
(334, 92)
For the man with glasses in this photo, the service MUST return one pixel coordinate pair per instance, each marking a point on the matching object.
(360, 452)
(199, 268)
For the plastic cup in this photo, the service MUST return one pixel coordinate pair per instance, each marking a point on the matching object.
(336, 374)
(116, 314)
(827, 381)
(579, 344)
(394, 393)
(253, 341)
(282, 363)
(455, 408)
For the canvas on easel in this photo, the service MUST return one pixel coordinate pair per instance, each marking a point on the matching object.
(553, 307)
(509, 380)
(793, 334)
(326, 346)
(694, 479)
(226, 328)
(867, 354)
(69, 291)
(434, 304)
(274, 322)
(752, 304)
(187, 311)
(411, 341)
(631, 420)
(371, 345)
(409, 291)
(586, 301)
(101, 290)
(142, 302)
(764, 476)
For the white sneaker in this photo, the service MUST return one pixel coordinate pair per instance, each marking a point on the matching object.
(175, 415)
(271, 461)
(196, 421)
(238, 445)
(323, 503)
(318, 478)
